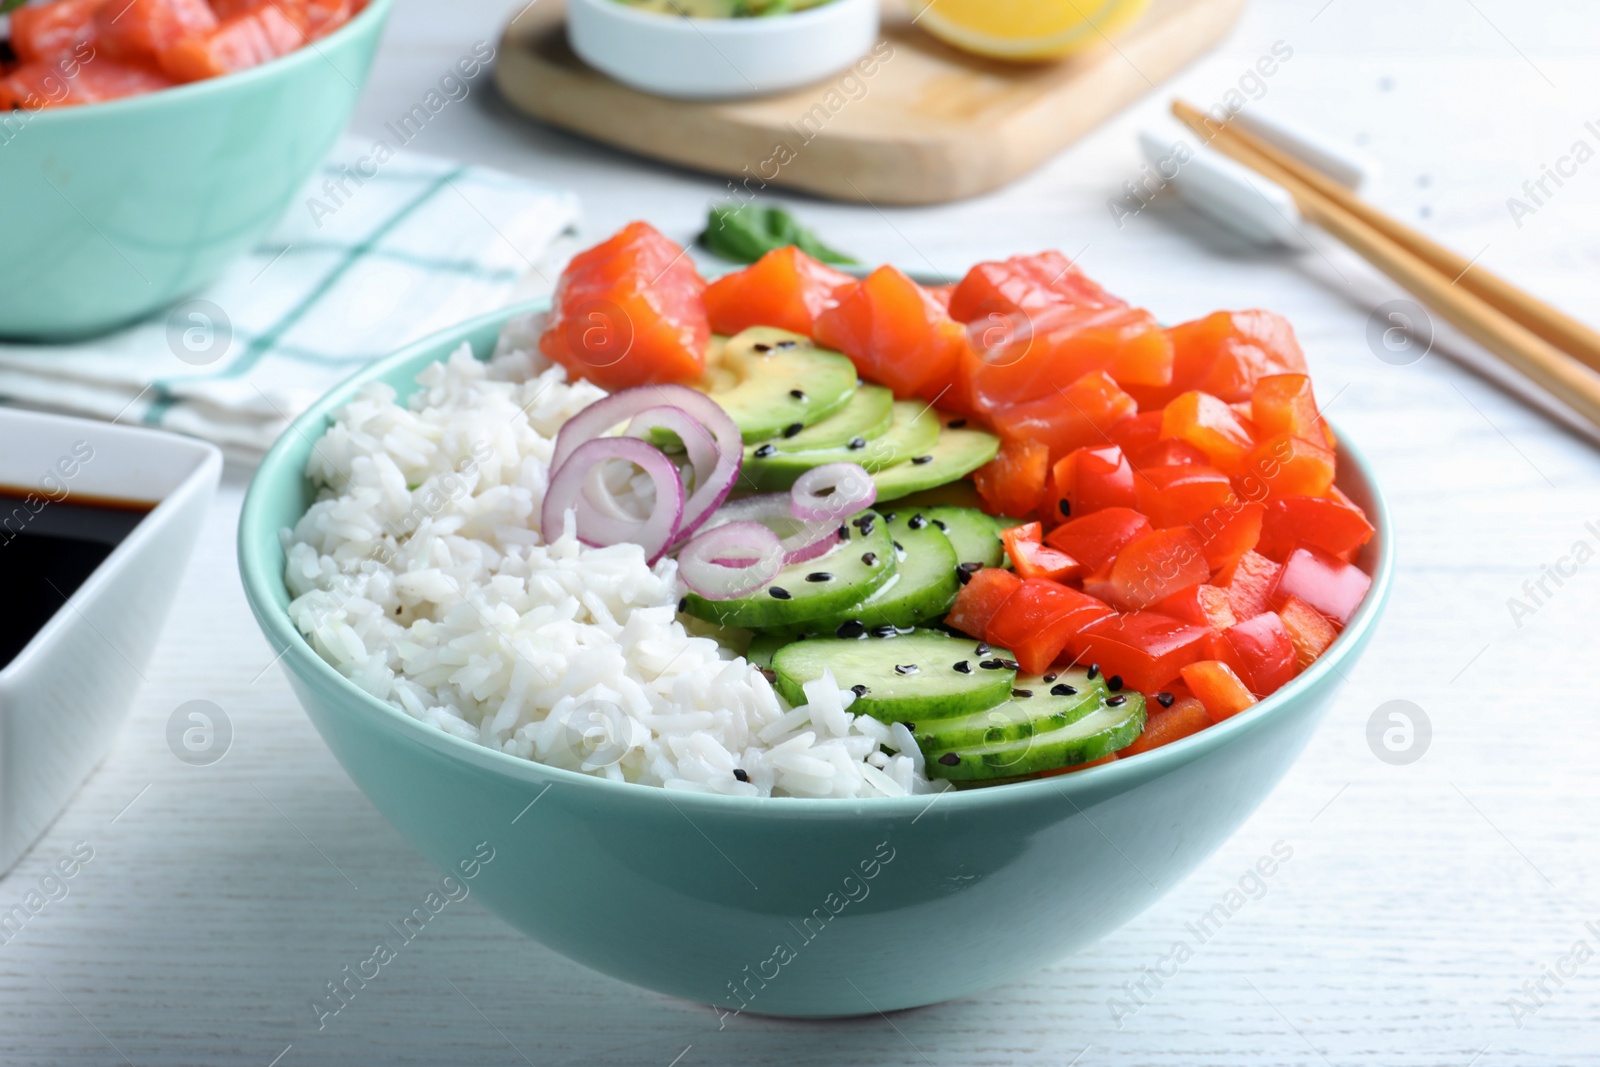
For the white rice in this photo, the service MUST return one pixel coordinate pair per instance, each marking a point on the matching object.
(421, 574)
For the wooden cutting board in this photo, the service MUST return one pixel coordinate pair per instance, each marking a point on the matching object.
(934, 124)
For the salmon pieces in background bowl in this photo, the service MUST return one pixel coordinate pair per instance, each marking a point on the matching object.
(70, 52)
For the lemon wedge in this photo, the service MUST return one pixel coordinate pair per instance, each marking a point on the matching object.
(1025, 29)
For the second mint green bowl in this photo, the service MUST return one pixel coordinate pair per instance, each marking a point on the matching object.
(786, 906)
(112, 211)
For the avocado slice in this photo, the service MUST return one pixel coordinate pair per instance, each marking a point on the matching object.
(868, 414)
(770, 380)
(914, 430)
(959, 451)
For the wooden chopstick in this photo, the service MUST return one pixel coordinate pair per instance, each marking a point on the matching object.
(1560, 329)
(1535, 358)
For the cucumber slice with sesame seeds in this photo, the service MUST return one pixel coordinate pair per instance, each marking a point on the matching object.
(1034, 706)
(1094, 728)
(815, 588)
(868, 414)
(761, 650)
(974, 535)
(910, 677)
(958, 451)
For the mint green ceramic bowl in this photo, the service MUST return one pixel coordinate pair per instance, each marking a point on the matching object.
(111, 211)
(785, 906)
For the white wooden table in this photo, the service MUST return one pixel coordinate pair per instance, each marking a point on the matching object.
(1419, 898)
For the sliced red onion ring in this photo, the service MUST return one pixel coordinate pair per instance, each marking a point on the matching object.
(730, 560)
(611, 526)
(832, 492)
(802, 539)
(714, 453)
(712, 478)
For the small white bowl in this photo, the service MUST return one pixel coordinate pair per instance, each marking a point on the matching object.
(64, 696)
(712, 59)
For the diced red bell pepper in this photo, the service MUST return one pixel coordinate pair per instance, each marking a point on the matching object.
(1136, 433)
(240, 42)
(1090, 479)
(1179, 496)
(979, 599)
(1094, 540)
(1216, 686)
(1308, 630)
(1033, 559)
(1078, 416)
(1249, 582)
(784, 288)
(1226, 353)
(629, 311)
(1287, 466)
(1038, 620)
(1012, 482)
(1211, 426)
(1157, 565)
(1162, 726)
(1336, 526)
(1285, 403)
(1203, 605)
(43, 32)
(1229, 532)
(140, 30)
(1025, 283)
(1332, 586)
(896, 334)
(1144, 649)
(1261, 653)
(1168, 453)
(1026, 356)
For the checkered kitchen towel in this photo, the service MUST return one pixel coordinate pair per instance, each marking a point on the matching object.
(423, 245)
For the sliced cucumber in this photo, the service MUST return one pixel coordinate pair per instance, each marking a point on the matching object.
(854, 568)
(925, 582)
(868, 414)
(907, 678)
(955, 454)
(762, 647)
(769, 380)
(913, 431)
(1095, 728)
(1047, 706)
(957, 494)
(974, 535)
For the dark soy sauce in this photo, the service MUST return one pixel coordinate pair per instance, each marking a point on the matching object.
(48, 548)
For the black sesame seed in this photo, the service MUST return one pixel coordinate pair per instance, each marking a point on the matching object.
(786, 344)
(1022, 693)
(1010, 664)
(898, 547)
(761, 347)
(886, 630)
(949, 759)
(920, 460)
(1052, 676)
(909, 726)
(916, 522)
(905, 668)
(860, 690)
(850, 628)
(970, 567)
(683, 604)
(857, 442)
(819, 576)
(778, 592)
(738, 772)
(869, 558)
(844, 533)
(764, 451)
(1094, 671)
(1066, 508)
(890, 516)
(798, 394)
(865, 524)
(990, 664)
(963, 577)
(983, 648)
(1116, 701)
(1165, 699)
(964, 666)
(792, 429)
(956, 424)
(1062, 689)
(941, 525)
(1114, 682)
(768, 673)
